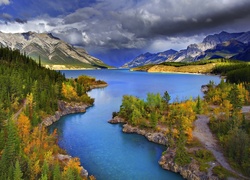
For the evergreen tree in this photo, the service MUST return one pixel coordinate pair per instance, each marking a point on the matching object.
(166, 97)
(56, 172)
(17, 172)
(45, 170)
(181, 156)
(235, 99)
(199, 105)
(11, 149)
(153, 119)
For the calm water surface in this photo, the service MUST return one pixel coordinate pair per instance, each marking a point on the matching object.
(104, 150)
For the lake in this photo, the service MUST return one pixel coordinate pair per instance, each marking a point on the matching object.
(103, 149)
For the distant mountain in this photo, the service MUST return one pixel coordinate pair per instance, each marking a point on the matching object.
(149, 58)
(227, 49)
(222, 45)
(221, 37)
(52, 51)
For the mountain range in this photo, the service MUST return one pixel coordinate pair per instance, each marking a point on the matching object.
(52, 51)
(223, 45)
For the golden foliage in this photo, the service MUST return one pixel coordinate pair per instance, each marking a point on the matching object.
(73, 163)
(23, 124)
(69, 92)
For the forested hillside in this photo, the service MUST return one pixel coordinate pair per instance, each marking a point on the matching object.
(27, 151)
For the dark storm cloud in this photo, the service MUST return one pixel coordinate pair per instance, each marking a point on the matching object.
(217, 20)
(105, 25)
(134, 24)
(21, 21)
(185, 21)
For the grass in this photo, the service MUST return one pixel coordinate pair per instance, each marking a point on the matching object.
(200, 154)
(203, 157)
(142, 68)
(222, 173)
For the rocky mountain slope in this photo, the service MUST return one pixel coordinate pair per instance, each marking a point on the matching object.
(222, 45)
(52, 51)
(149, 58)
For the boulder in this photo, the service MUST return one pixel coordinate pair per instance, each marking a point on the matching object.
(158, 138)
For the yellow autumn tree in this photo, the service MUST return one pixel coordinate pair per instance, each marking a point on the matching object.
(73, 164)
(69, 92)
(23, 124)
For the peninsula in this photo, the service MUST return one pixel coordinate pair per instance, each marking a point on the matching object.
(199, 133)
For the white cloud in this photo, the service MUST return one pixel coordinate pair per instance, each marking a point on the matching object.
(4, 2)
(176, 43)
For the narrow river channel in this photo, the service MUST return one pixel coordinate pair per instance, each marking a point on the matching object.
(103, 149)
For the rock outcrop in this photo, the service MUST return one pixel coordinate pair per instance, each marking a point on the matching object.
(66, 158)
(116, 120)
(98, 86)
(190, 171)
(65, 108)
(156, 137)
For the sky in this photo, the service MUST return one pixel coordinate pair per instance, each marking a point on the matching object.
(116, 31)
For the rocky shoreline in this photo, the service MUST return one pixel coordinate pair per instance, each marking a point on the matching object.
(98, 86)
(190, 171)
(65, 108)
(156, 137)
(66, 158)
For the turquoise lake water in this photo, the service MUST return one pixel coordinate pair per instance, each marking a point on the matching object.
(103, 149)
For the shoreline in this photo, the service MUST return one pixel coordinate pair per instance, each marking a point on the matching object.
(66, 108)
(69, 69)
(178, 72)
(175, 72)
(190, 171)
(193, 69)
